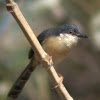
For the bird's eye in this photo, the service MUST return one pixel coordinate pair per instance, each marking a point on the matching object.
(70, 31)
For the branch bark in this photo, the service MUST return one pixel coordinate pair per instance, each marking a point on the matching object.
(45, 59)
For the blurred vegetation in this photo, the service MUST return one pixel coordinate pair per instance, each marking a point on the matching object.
(80, 69)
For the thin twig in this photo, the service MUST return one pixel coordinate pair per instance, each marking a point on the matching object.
(45, 59)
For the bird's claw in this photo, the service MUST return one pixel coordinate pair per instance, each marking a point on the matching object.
(59, 83)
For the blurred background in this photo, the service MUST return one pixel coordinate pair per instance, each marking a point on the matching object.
(81, 69)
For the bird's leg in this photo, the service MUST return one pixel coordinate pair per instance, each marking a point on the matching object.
(61, 80)
(50, 62)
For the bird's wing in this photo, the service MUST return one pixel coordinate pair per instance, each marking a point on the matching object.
(44, 35)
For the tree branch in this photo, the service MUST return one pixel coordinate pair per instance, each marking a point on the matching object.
(45, 59)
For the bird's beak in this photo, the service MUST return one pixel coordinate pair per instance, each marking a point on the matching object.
(82, 35)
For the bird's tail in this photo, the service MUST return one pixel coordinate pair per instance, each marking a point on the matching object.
(20, 82)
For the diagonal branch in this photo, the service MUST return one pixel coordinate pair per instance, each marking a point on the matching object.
(45, 59)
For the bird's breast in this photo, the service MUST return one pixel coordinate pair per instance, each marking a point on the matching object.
(56, 48)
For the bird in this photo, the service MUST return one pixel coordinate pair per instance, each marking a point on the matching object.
(57, 42)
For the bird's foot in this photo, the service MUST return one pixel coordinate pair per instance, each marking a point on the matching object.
(50, 63)
(61, 80)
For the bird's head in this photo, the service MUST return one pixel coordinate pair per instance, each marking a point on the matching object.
(72, 29)
(70, 33)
